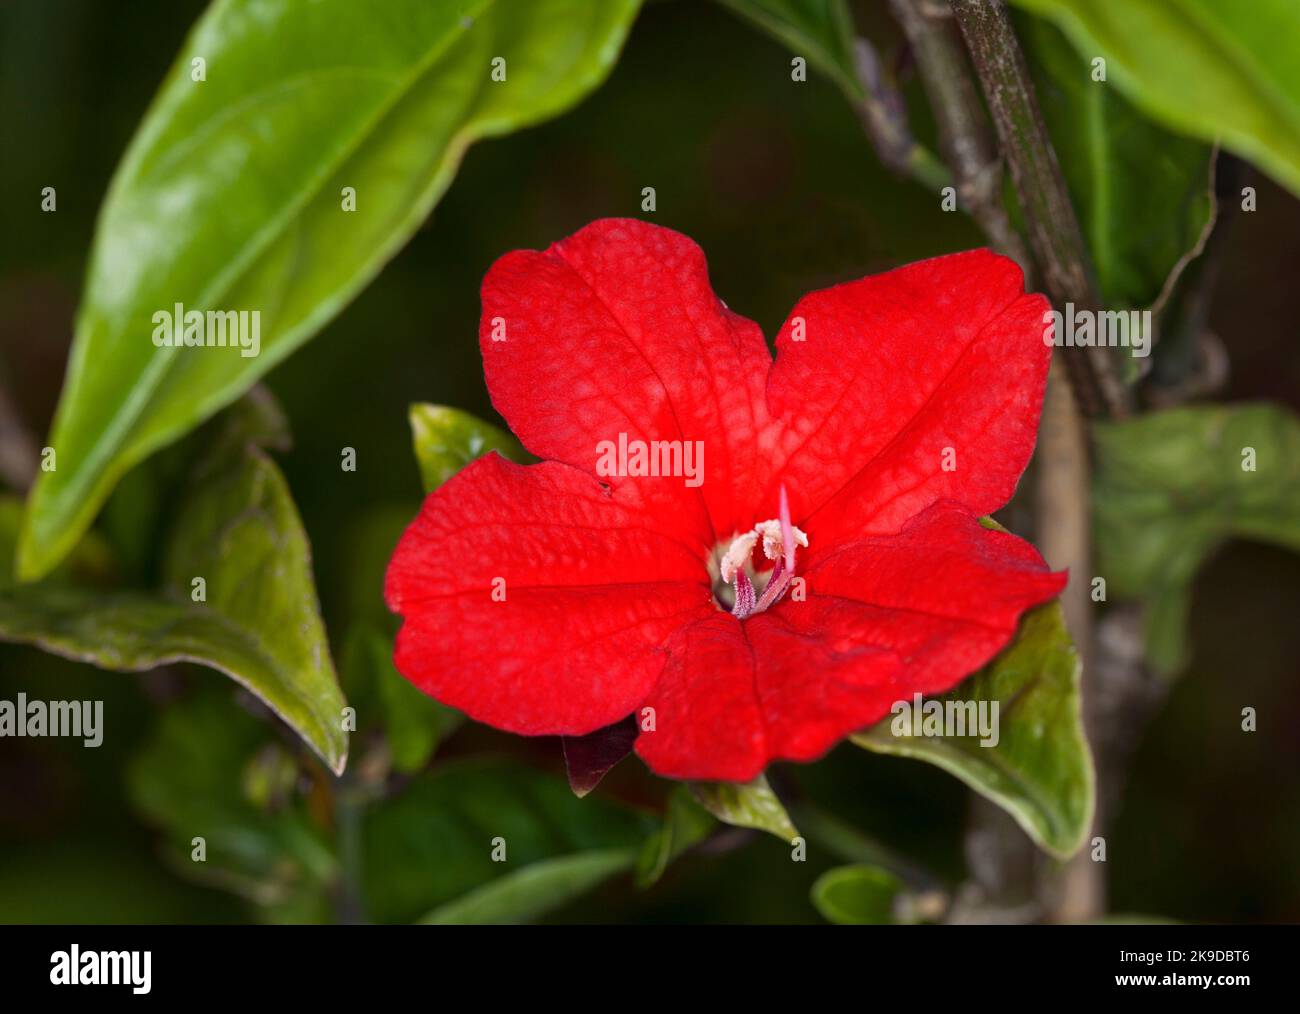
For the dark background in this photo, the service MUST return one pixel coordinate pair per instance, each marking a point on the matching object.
(779, 186)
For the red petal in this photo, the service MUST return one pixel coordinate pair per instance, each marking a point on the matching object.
(893, 369)
(707, 719)
(593, 590)
(945, 594)
(617, 330)
(885, 617)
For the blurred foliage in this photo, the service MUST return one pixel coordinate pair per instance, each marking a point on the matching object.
(472, 822)
(820, 30)
(1173, 486)
(685, 824)
(211, 773)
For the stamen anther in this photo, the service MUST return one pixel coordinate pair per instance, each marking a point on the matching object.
(737, 558)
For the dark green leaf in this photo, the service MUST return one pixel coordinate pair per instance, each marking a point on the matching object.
(1205, 68)
(821, 31)
(231, 195)
(201, 775)
(686, 823)
(1171, 486)
(434, 843)
(1040, 771)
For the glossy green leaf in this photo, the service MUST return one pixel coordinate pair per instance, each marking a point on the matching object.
(752, 804)
(432, 845)
(447, 439)
(686, 823)
(232, 197)
(259, 623)
(1205, 68)
(1143, 195)
(1170, 487)
(1040, 770)
(821, 31)
(524, 894)
(856, 895)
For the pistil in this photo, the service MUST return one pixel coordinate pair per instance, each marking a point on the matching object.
(779, 540)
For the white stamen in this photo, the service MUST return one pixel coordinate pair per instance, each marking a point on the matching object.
(772, 543)
(738, 555)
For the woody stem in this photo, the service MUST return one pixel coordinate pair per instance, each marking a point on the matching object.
(1051, 224)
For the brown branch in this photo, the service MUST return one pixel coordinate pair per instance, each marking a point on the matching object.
(1053, 229)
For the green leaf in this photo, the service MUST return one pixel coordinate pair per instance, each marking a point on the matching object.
(524, 894)
(1144, 196)
(1205, 68)
(821, 31)
(752, 804)
(433, 844)
(230, 197)
(856, 895)
(447, 439)
(1040, 771)
(1170, 487)
(260, 623)
(686, 823)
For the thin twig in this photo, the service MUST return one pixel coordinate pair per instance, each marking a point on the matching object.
(964, 135)
(884, 118)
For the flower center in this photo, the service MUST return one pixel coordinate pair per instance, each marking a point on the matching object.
(734, 584)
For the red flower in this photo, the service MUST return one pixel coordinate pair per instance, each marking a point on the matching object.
(899, 409)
